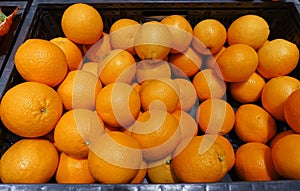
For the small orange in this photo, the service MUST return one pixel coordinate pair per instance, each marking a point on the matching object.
(201, 160)
(237, 63)
(248, 91)
(291, 110)
(29, 161)
(76, 130)
(71, 50)
(215, 116)
(153, 41)
(91, 67)
(253, 123)
(187, 94)
(209, 36)
(160, 93)
(286, 156)
(79, 90)
(122, 33)
(119, 166)
(121, 62)
(118, 104)
(254, 162)
(181, 32)
(186, 63)
(279, 136)
(82, 23)
(73, 170)
(187, 124)
(41, 61)
(30, 109)
(208, 85)
(252, 30)
(275, 93)
(278, 57)
(157, 132)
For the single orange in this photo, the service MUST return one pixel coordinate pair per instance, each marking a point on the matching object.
(291, 110)
(279, 136)
(30, 109)
(187, 94)
(254, 124)
(82, 23)
(29, 161)
(254, 162)
(41, 61)
(187, 124)
(73, 170)
(275, 93)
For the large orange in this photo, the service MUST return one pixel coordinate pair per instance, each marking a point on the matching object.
(181, 32)
(278, 57)
(119, 166)
(82, 23)
(30, 109)
(41, 61)
(254, 162)
(73, 170)
(121, 62)
(252, 30)
(291, 110)
(79, 90)
(71, 50)
(118, 104)
(275, 93)
(187, 94)
(209, 36)
(29, 161)
(149, 69)
(253, 123)
(215, 116)
(76, 130)
(237, 63)
(286, 156)
(157, 132)
(201, 160)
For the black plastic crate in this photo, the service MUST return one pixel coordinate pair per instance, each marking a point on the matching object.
(43, 21)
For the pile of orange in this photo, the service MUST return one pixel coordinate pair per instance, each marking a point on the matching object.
(139, 102)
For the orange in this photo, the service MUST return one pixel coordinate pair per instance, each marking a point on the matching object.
(186, 63)
(248, 91)
(141, 174)
(181, 32)
(291, 110)
(149, 69)
(160, 93)
(73, 170)
(82, 23)
(254, 162)
(119, 166)
(96, 51)
(30, 109)
(251, 30)
(211, 61)
(253, 123)
(161, 171)
(71, 50)
(121, 62)
(278, 57)
(157, 133)
(29, 161)
(153, 41)
(286, 156)
(41, 61)
(275, 93)
(79, 90)
(187, 124)
(237, 63)
(215, 116)
(118, 104)
(76, 130)
(187, 94)
(279, 136)
(201, 160)
(209, 36)
(90, 67)
(208, 85)
(122, 33)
